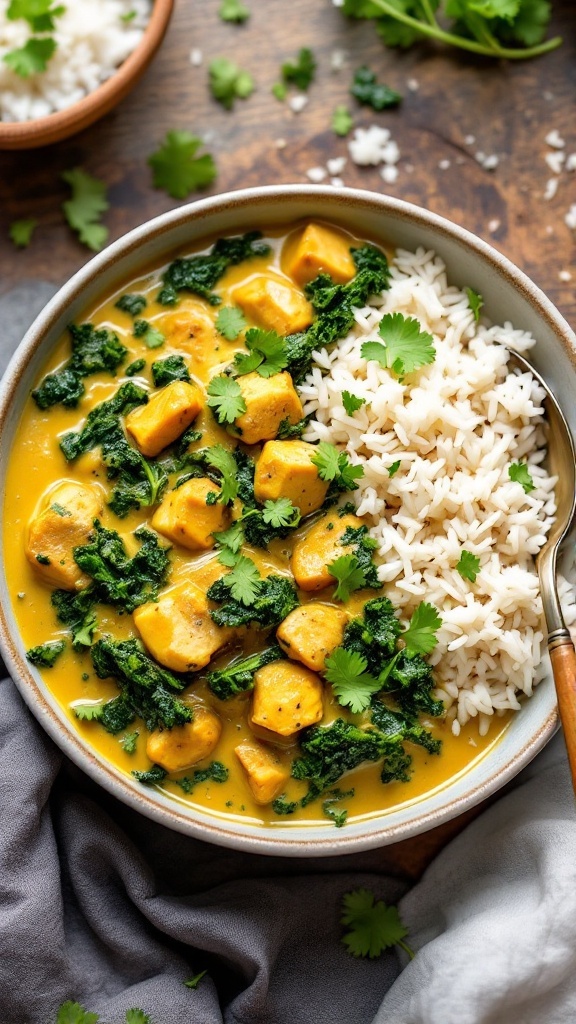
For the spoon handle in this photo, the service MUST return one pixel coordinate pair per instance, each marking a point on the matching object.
(563, 658)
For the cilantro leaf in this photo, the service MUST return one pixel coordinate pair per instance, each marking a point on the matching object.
(280, 91)
(420, 637)
(243, 581)
(225, 397)
(73, 1013)
(148, 334)
(135, 1016)
(228, 82)
(374, 927)
(394, 468)
(223, 460)
(475, 301)
(301, 72)
(32, 58)
(233, 10)
(21, 232)
(128, 742)
(350, 576)
(507, 9)
(342, 121)
(38, 13)
(230, 322)
(194, 982)
(468, 566)
(352, 684)
(406, 348)
(531, 22)
(281, 513)
(366, 89)
(267, 353)
(87, 712)
(333, 465)
(232, 538)
(520, 474)
(84, 210)
(351, 402)
(177, 169)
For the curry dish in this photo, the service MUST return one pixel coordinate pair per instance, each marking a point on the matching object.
(191, 577)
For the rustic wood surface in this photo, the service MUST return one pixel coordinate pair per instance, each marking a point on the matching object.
(508, 107)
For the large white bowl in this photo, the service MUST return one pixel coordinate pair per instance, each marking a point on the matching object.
(508, 295)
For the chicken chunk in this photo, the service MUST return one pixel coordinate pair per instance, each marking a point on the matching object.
(311, 632)
(178, 630)
(65, 523)
(267, 776)
(285, 469)
(189, 516)
(274, 304)
(321, 251)
(184, 745)
(287, 698)
(167, 415)
(269, 401)
(321, 545)
(190, 329)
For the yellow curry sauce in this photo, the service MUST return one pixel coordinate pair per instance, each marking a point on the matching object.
(38, 465)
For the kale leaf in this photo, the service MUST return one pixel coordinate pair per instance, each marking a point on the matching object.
(122, 581)
(93, 351)
(275, 599)
(76, 610)
(199, 274)
(238, 677)
(329, 752)
(147, 689)
(214, 772)
(164, 371)
(45, 655)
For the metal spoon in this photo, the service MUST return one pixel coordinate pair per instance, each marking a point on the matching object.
(562, 464)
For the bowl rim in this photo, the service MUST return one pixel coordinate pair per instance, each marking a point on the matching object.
(280, 843)
(43, 130)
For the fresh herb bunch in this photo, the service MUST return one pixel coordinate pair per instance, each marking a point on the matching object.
(511, 29)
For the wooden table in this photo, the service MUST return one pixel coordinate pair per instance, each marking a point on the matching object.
(449, 97)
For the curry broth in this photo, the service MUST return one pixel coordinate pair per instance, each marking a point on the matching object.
(37, 465)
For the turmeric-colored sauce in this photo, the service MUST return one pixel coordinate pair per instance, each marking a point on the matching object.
(38, 465)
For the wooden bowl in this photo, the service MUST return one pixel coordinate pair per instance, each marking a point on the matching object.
(42, 131)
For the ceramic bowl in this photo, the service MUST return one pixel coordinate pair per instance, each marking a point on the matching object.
(508, 295)
(42, 131)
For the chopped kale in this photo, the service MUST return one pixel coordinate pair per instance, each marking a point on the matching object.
(374, 635)
(367, 89)
(328, 808)
(129, 741)
(289, 431)
(76, 610)
(329, 752)
(135, 367)
(214, 772)
(153, 777)
(164, 371)
(283, 806)
(199, 274)
(45, 655)
(122, 581)
(364, 550)
(147, 689)
(103, 420)
(275, 599)
(412, 682)
(93, 351)
(393, 723)
(131, 304)
(238, 677)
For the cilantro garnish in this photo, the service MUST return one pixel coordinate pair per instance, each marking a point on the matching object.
(406, 348)
(267, 353)
(374, 927)
(520, 474)
(468, 566)
(148, 334)
(87, 712)
(280, 513)
(228, 82)
(494, 28)
(128, 742)
(350, 575)
(353, 685)
(73, 1013)
(39, 14)
(135, 1016)
(301, 72)
(351, 402)
(334, 466)
(342, 121)
(21, 232)
(475, 301)
(32, 58)
(194, 982)
(366, 89)
(225, 398)
(223, 460)
(84, 210)
(232, 538)
(420, 637)
(233, 10)
(177, 169)
(131, 303)
(394, 468)
(244, 580)
(230, 322)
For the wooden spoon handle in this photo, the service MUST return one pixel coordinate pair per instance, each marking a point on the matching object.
(563, 660)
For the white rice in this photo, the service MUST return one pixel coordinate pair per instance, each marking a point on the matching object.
(456, 427)
(92, 41)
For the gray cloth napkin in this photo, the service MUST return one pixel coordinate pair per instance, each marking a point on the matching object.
(100, 905)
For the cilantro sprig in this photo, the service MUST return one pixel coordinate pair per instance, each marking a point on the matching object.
(350, 575)
(32, 58)
(475, 302)
(353, 685)
(420, 637)
(468, 566)
(267, 354)
(520, 474)
(351, 402)
(335, 467)
(406, 347)
(228, 82)
(84, 209)
(39, 14)
(225, 398)
(230, 322)
(177, 169)
(301, 72)
(373, 926)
